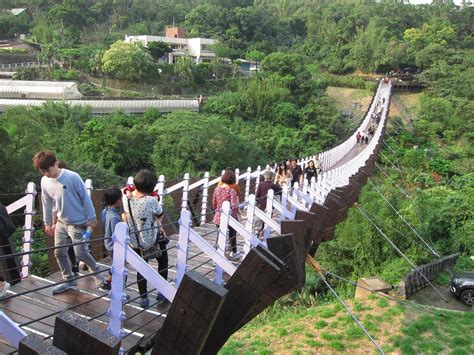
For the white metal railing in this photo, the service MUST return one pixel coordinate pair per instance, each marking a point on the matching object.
(27, 201)
(11, 66)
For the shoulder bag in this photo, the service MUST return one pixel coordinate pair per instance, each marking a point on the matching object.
(152, 252)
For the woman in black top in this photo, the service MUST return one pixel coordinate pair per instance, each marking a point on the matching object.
(310, 171)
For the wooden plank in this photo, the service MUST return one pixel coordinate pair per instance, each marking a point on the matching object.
(36, 345)
(297, 228)
(283, 247)
(245, 288)
(76, 336)
(195, 307)
(311, 224)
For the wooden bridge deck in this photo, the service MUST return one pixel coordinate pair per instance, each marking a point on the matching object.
(140, 325)
(92, 303)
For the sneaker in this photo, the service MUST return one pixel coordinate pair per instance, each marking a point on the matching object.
(160, 299)
(64, 287)
(83, 266)
(4, 287)
(127, 299)
(233, 254)
(144, 302)
(75, 269)
(106, 286)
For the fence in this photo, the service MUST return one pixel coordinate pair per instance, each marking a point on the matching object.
(14, 66)
(415, 281)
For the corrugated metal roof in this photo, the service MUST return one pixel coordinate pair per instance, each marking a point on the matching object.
(107, 106)
(13, 89)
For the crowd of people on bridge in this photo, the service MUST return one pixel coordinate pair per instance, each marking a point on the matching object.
(68, 213)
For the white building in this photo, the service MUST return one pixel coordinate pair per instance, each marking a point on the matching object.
(197, 48)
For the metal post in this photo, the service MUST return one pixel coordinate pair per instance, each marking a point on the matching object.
(249, 222)
(184, 200)
(119, 272)
(247, 183)
(222, 239)
(89, 187)
(257, 178)
(185, 224)
(205, 193)
(28, 229)
(160, 187)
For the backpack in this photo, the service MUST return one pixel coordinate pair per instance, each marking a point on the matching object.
(7, 227)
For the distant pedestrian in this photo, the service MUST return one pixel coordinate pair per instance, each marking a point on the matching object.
(358, 137)
(283, 175)
(296, 172)
(261, 197)
(222, 193)
(310, 171)
(235, 185)
(110, 218)
(318, 165)
(366, 140)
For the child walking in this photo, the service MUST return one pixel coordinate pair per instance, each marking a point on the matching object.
(110, 217)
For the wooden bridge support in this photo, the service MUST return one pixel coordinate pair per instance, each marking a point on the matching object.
(76, 336)
(245, 287)
(35, 345)
(191, 317)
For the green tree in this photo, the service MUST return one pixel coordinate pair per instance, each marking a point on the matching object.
(194, 143)
(184, 68)
(158, 49)
(255, 56)
(128, 61)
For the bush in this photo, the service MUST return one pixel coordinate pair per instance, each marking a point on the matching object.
(13, 50)
(349, 81)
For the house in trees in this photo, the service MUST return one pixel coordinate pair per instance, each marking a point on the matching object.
(196, 48)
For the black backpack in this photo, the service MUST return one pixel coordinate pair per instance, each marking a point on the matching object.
(7, 227)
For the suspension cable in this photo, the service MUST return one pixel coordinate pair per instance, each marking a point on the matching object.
(315, 266)
(402, 254)
(404, 220)
(393, 182)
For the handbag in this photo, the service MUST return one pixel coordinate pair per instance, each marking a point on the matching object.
(161, 237)
(152, 252)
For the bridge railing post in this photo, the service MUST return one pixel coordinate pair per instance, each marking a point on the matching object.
(160, 187)
(222, 239)
(257, 177)
(119, 276)
(205, 193)
(184, 199)
(269, 212)
(28, 229)
(89, 187)
(249, 222)
(248, 176)
(185, 225)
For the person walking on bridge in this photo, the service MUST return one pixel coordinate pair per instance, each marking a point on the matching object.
(65, 190)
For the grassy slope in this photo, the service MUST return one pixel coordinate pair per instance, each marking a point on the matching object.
(329, 329)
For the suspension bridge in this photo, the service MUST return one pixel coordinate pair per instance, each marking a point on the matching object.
(211, 295)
